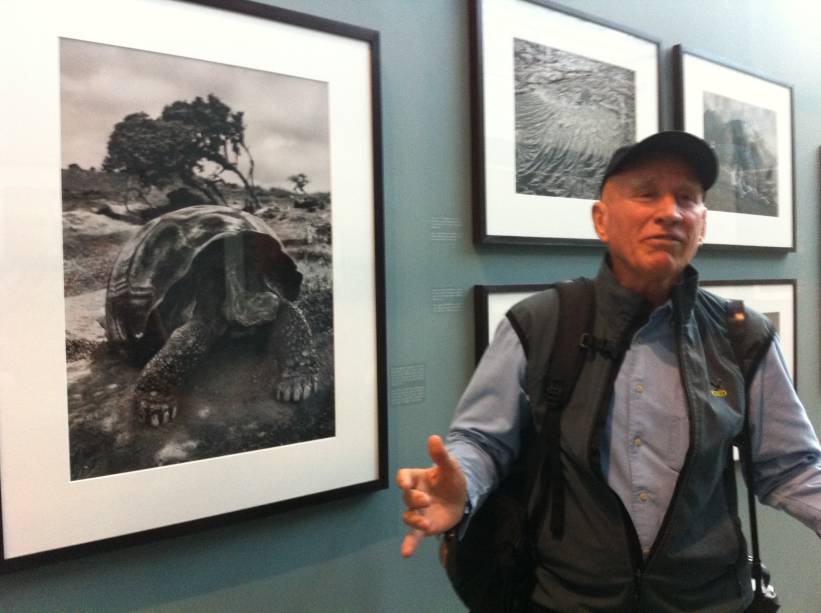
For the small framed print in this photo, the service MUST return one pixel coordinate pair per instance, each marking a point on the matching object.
(555, 92)
(191, 270)
(774, 298)
(491, 303)
(748, 120)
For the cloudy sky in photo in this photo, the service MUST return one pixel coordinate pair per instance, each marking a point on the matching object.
(286, 117)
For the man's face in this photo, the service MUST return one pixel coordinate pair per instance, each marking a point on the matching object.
(652, 218)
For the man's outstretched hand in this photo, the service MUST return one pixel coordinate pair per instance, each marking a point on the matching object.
(435, 496)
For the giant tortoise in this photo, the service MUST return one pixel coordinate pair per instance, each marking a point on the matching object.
(188, 278)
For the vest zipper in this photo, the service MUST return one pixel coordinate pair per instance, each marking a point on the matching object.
(636, 557)
(634, 544)
(665, 524)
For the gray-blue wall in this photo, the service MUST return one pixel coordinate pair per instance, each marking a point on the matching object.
(344, 556)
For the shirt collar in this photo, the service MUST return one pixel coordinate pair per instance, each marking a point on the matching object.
(622, 308)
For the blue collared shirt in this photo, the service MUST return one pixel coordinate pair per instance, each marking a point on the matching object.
(646, 434)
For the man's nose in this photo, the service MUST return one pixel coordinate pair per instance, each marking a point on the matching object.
(668, 209)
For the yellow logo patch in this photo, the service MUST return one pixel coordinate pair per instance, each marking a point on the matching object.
(719, 393)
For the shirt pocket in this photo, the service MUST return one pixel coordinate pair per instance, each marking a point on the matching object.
(678, 439)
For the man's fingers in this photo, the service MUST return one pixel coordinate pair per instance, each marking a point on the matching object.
(438, 453)
(414, 499)
(417, 521)
(426, 488)
(411, 542)
(406, 478)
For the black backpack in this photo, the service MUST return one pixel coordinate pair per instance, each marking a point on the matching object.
(492, 567)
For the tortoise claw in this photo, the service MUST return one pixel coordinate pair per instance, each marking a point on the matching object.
(294, 387)
(154, 408)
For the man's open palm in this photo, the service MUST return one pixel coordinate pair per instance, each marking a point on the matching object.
(435, 496)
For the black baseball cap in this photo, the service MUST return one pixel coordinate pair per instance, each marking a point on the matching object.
(694, 150)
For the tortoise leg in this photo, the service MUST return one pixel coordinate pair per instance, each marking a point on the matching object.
(156, 390)
(293, 346)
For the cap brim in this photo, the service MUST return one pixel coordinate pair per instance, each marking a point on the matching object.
(694, 150)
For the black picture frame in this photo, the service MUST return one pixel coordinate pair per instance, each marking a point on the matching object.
(490, 303)
(775, 298)
(547, 201)
(44, 515)
(748, 119)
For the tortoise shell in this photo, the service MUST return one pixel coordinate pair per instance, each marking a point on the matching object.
(166, 250)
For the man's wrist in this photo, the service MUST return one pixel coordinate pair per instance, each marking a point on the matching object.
(454, 532)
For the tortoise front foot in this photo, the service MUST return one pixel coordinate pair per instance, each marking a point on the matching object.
(155, 408)
(295, 353)
(296, 384)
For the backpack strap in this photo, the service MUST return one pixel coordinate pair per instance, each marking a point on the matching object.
(748, 359)
(577, 308)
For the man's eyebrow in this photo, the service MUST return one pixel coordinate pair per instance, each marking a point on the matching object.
(651, 181)
(641, 181)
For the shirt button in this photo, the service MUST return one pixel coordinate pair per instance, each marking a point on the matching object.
(637, 442)
(644, 496)
(639, 388)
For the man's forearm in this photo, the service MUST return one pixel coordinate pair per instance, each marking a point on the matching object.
(485, 432)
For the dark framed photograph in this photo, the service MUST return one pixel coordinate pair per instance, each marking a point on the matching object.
(555, 92)
(192, 270)
(491, 303)
(774, 298)
(748, 120)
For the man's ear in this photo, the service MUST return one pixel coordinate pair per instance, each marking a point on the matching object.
(703, 227)
(599, 212)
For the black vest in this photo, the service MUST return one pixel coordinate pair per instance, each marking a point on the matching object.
(699, 559)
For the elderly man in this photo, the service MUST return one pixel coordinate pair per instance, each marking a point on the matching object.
(648, 519)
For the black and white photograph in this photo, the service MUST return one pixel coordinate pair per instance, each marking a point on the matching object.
(555, 92)
(192, 275)
(572, 112)
(747, 119)
(774, 298)
(197, 255)
(744, 138)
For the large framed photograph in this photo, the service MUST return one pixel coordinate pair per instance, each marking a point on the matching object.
(748, 120)
(490, 305)
(555, 92)
(191, 269)
(774, 298)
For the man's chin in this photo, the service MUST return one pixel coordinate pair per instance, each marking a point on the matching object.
(665, 269)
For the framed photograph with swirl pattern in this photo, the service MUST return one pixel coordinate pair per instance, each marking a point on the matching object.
(554, 93)
(191, 269)
(748, 119)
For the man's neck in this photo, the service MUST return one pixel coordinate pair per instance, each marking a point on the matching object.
(654, 291)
